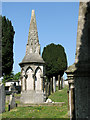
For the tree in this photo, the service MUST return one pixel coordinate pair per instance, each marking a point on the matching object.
(8, 77)
(55, 60)
(7, 46)
(17, 76)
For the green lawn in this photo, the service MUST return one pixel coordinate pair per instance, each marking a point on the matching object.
(42, 111)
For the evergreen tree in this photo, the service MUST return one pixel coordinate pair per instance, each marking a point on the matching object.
(55, 60)
(7, 46)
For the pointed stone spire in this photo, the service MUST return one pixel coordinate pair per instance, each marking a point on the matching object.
(33, 46)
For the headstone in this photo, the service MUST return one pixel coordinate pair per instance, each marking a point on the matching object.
(58, 82)
(61, 82)
(54, 84)
(2, 98)
(51, 84)
(49, 88)
(46, 89)
(12, 103)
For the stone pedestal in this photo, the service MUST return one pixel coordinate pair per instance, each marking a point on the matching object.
(32, 97)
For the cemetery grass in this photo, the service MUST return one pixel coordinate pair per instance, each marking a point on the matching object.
(42, 111)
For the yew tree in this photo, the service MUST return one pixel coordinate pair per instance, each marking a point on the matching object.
(7, 46)
(55, 60)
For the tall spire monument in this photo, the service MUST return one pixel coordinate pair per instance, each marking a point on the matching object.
(32, 68)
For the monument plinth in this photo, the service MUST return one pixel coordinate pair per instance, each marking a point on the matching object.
(32, 68)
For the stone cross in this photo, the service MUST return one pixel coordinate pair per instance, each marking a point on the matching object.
(12, 103)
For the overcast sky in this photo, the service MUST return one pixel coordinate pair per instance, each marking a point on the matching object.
(56, 23)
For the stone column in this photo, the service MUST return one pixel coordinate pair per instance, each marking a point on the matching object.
(68, 99)
(54, 84)
(71, 95)
(34, 77)
(26, 82)
(23, 80)
(72, 99)
(42, 83)
(23, 83)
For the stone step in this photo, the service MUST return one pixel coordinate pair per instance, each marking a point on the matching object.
(42, 104)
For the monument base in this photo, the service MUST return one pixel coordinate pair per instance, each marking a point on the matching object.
(32, 97)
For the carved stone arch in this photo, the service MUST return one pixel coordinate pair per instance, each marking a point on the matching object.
(29, 78)
(37, 69)
(28, 69)
(38, 79)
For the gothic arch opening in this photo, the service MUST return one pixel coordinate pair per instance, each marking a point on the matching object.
(29, 79)
(38, 79)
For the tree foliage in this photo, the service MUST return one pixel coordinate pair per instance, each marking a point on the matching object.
(8, 77)
(7, 46)
(17, 76)
(55, 60)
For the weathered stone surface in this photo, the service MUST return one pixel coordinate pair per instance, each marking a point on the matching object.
(32, 97)
(79, 72)
(2, 98)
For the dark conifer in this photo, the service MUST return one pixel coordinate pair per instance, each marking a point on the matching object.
(55, 59)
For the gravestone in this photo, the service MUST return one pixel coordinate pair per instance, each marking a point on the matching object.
(58, 82)
(62, 82)
(51, 84)
(2, 98)
(54, 84)
(12, 103)
(46, 89)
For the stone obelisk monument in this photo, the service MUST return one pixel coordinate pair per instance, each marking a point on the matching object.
(79, 73)
(32, 68)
